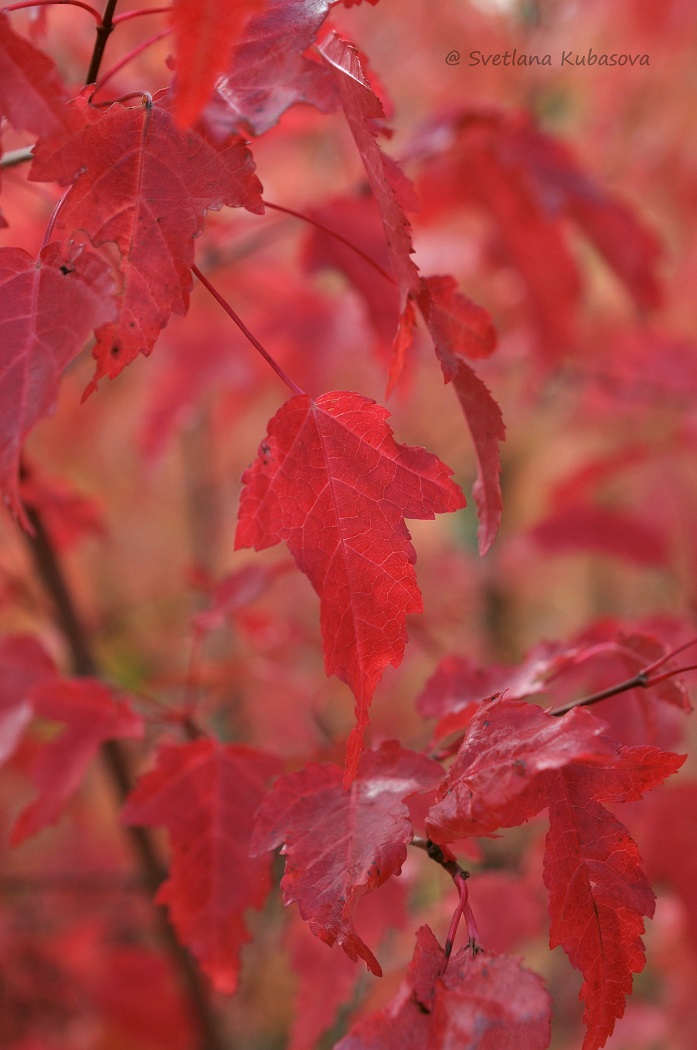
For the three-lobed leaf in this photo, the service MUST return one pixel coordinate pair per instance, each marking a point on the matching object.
(515, 760)
(333, 483)
(138, 180)
(342, 844)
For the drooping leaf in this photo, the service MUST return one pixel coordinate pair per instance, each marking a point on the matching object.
(138, 180)
(333, 483)
(533, 188)
(460, 329)
(205, 794)
(269, 71)
(341, 844)
(48, 307)
(204, 35)
(598, 893)
(361, 107)
(485, 1003)
(32, 95)
(92, 714)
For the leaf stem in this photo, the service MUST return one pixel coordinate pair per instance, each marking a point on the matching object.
(56, 3)
(151, 869)
(442, 856)
(243, 328)
(128, 58)
(141, 11)
(104, 31)
(335, 235)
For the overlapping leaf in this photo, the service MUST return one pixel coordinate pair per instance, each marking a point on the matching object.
(204, 35)
(92, 714)
(48, 307)
(342, 844)
(138, 180)
(531, 186)
(205, 794)
(269, 71)
(32, 95)
(461, 328)
(515, 760)
(485, 1003)
(390, 187)
(333, 483)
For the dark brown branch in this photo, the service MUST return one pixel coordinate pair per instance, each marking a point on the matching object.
(104, 31)
(151, 869)
(437, 854)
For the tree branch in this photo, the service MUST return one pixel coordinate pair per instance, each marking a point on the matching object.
(104, 31)
(152, 871)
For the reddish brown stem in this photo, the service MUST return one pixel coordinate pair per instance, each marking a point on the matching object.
(335, 235)
(446, 860)
(55, 3)
(243, 328)
(141, 11)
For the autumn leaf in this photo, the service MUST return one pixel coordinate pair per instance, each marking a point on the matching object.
(483, 1003)
(391, 189)
(333, 483)
(598, 893)
(269, 71)
(342, 844)
(48, 307)
(32, 95)
(138, 180)
(92, 714)
(204, 35)
(461, 328)
(205, 794)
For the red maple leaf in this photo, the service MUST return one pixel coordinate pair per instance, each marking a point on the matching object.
(32, 95)
(140, 181)
(461, 328)
(391, 189)
(205, 794)
(204, 35)
(342, 844)
(333, 483)
(482, 1003)
(268, 71)
(515, 760)
(48, 308)
(92, 714)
